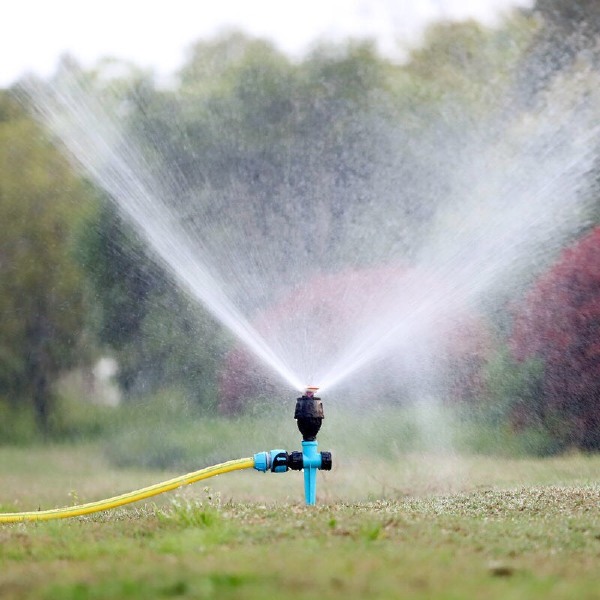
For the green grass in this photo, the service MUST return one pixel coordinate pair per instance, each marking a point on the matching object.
(421, 526)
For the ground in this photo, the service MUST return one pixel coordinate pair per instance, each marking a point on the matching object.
(421, 527)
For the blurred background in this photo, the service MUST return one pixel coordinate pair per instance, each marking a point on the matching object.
(98, 346)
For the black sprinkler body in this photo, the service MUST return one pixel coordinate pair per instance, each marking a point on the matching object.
(309, 416)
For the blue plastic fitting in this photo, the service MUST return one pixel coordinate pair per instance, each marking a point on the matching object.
(312, 461)
(309, 460)
(261, 461)
(274, 461)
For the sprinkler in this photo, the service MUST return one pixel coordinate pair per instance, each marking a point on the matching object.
(309, 416)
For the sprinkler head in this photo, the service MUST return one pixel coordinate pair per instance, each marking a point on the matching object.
(309, 414)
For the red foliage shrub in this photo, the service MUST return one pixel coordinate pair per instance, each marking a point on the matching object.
(559, 322)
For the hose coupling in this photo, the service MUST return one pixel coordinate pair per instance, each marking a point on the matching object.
(280, 461)
(275, 461)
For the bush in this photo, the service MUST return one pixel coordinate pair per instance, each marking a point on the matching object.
(17, 424)
(74, 419)
(558, 323)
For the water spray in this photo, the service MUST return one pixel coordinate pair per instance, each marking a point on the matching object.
(309, 417)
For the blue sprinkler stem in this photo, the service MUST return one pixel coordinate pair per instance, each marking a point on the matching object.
(312, 461)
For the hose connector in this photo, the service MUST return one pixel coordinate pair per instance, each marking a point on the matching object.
(275, 461)
(280, 461)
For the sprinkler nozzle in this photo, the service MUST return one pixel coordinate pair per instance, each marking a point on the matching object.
(309, 414)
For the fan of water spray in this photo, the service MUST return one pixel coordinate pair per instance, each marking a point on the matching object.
(517, 199)
(96, 141)
(519, 192)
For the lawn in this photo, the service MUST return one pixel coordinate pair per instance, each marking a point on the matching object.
(419, 527)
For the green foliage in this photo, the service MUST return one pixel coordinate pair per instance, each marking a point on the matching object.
(186, 512)
(170, 431)
(466, 66)
(506, 418)
(566, 32)
(17, 425)
(502, 439)
(510, 386)
(42, 295)
(71, 420)
(158, 335)
(78, 420)
(120, 275)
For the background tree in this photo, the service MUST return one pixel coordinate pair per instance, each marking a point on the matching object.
(160, 338)
(559, 324)
(565, 30)
(42, 295)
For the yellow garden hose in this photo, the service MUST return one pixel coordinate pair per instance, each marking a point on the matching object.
(147, 492)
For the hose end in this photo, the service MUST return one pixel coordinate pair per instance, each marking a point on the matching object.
(261, 461)
(275, 461)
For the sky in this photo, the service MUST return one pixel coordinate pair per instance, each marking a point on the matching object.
(157, 34)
